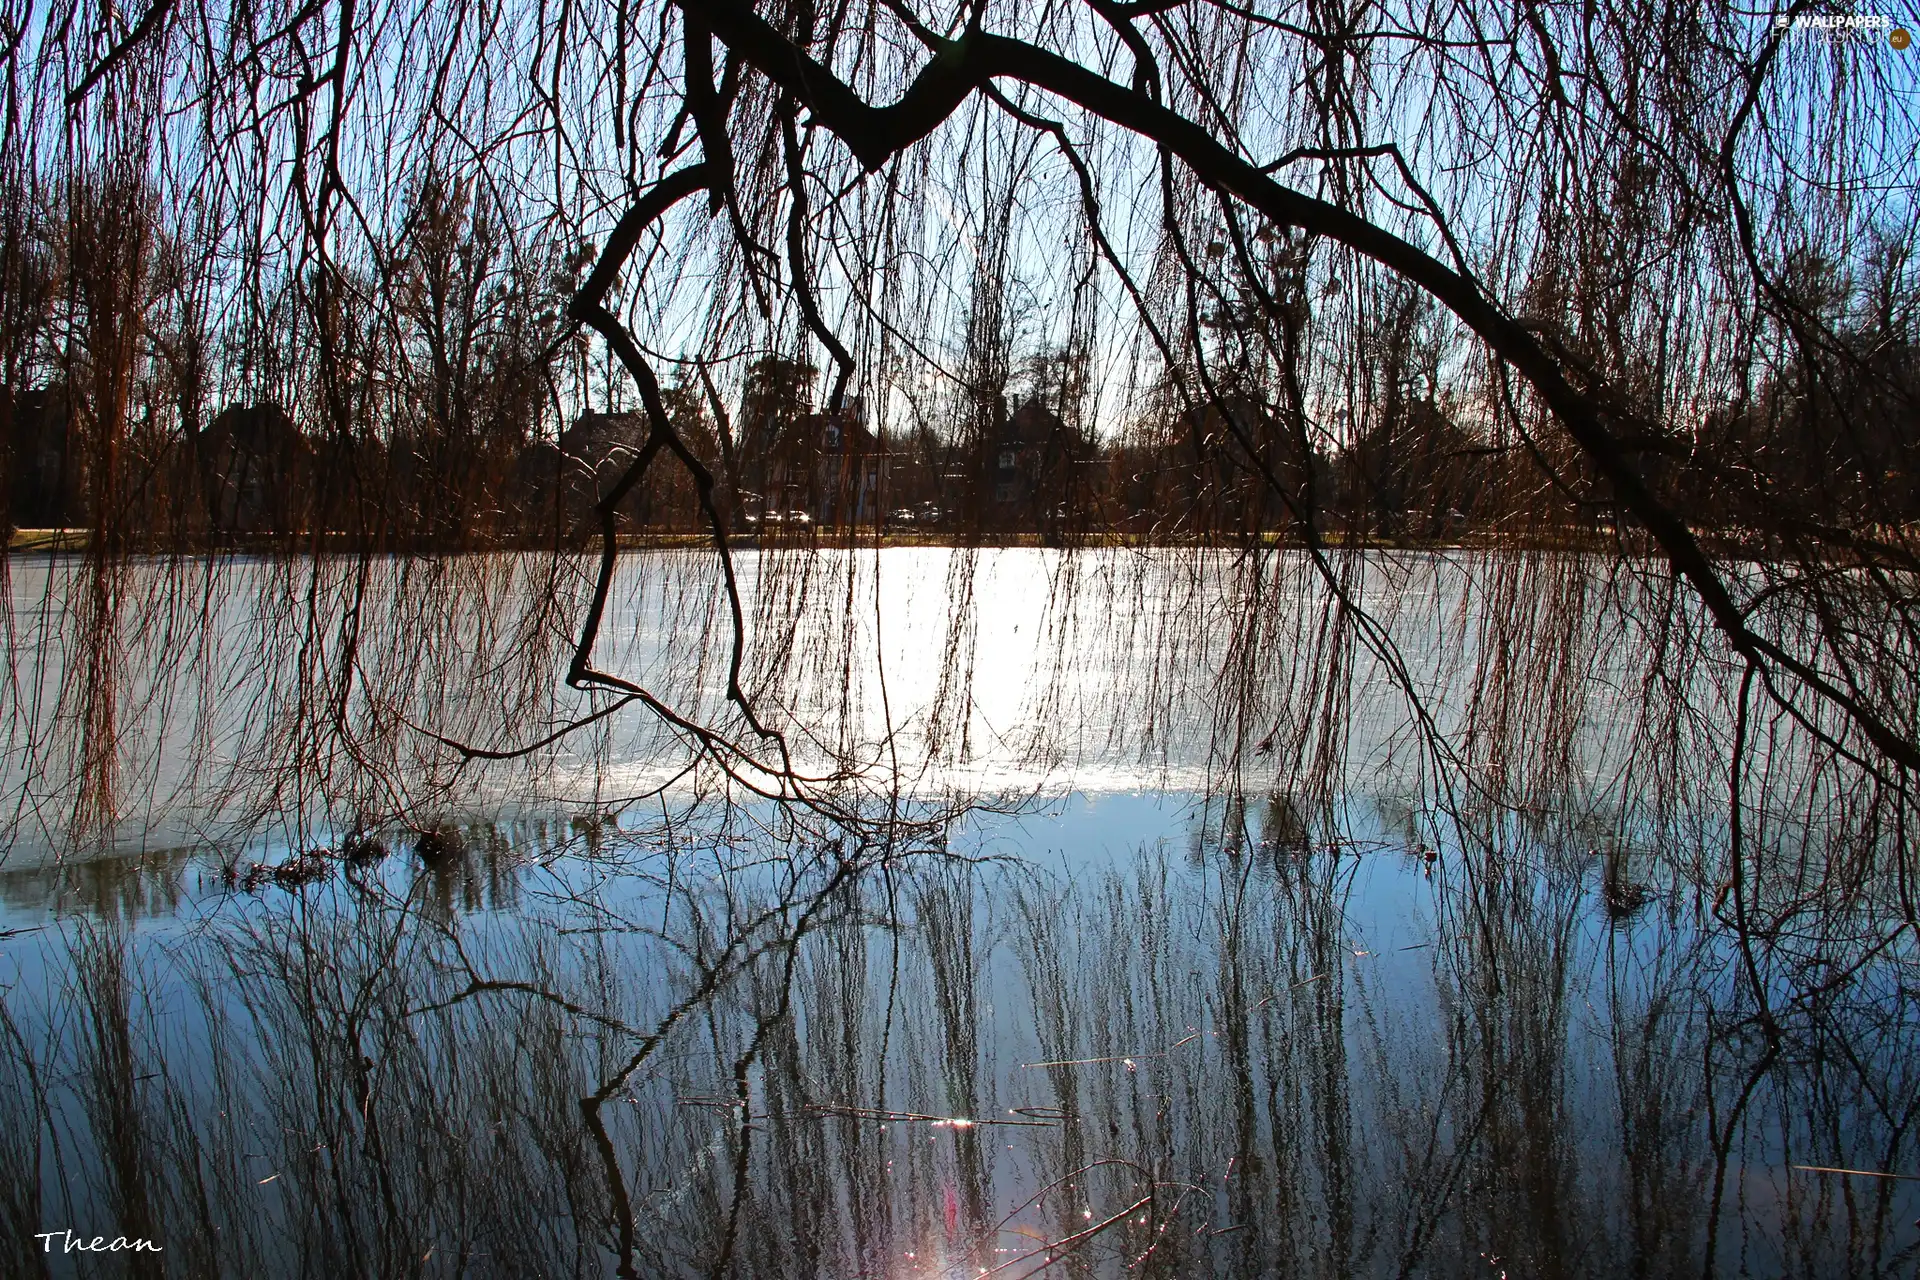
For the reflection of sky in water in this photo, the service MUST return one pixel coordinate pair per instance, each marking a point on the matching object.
(1321, 1060)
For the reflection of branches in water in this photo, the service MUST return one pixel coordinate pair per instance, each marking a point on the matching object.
(1820, 857)
(22, 1150)
(360, 1077)
(110, 1089)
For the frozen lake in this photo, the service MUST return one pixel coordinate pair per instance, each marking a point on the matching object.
(1127, 931)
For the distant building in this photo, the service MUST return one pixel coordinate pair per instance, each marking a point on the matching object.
(1228, 454)
(1037, 470)
(597, 450)
(45, 478)
(594, 456)
(253, 464)
(831, 466)
(1414, 474)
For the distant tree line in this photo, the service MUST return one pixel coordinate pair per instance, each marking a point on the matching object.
(131, 408)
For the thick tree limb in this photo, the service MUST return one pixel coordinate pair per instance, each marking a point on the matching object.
(965, 65)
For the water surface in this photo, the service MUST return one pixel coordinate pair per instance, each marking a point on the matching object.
(1088, 986)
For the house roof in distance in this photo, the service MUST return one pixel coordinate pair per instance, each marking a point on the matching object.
(845, 432)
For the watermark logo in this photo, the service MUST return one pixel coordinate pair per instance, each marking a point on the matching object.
(71, 1243)
(1839, 27)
